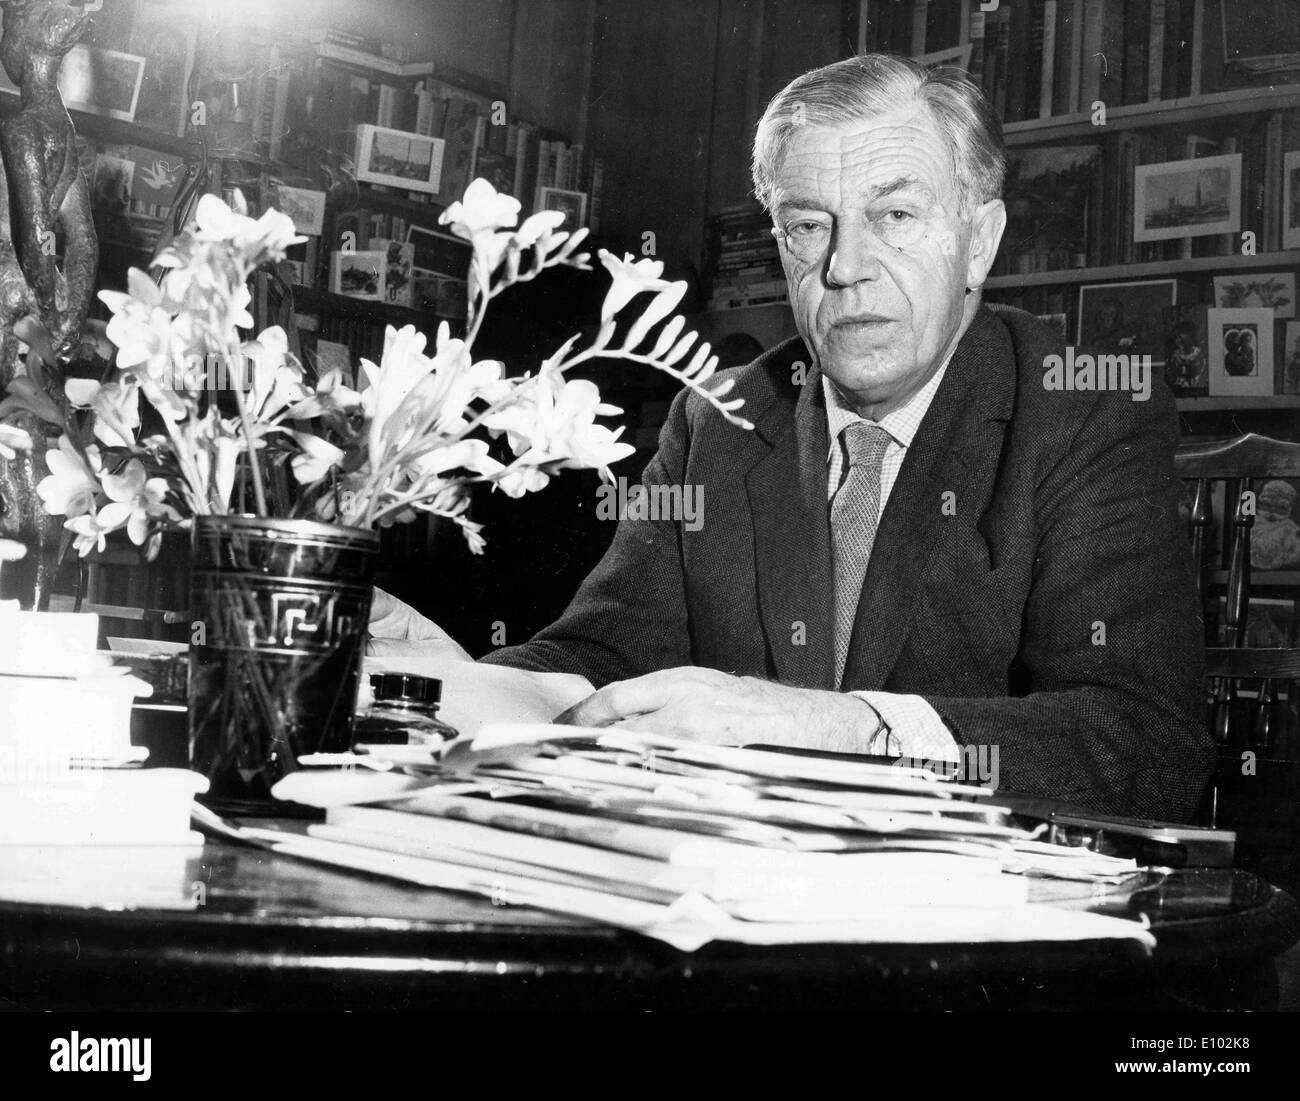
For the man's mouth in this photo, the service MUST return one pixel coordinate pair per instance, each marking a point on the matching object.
(863, 319)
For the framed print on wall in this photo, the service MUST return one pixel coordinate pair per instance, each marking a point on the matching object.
(1275, 290)
(1241, 352)
(398, 158)
(1187, 198)
(572, 203)
(1126, 317)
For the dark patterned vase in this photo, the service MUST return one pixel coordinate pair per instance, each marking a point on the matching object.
(281, 609)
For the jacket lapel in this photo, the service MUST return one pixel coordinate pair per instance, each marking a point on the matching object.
(792, 556)
(962, 427)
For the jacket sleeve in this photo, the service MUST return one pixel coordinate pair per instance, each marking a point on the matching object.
(629, 616)
(1109, 710)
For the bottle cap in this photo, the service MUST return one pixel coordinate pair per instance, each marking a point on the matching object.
(405, 690)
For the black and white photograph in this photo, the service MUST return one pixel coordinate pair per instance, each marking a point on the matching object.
(1187, 198)
(360, 274)
(102, 82)
(572, 204)
(605, 507)
(398, 158)
(1125, 318)
(305, 206)
(1241, 352)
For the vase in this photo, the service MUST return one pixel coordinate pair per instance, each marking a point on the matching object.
(281, 609)
(23, 518)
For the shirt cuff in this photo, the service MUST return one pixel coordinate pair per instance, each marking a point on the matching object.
(912, 728)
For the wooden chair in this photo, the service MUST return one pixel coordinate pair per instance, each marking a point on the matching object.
(1255, 787)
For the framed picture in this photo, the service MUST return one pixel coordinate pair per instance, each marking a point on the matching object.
(1126, 317)
(102, 82)
(572, 203)
(439, 253)
(305, 207)
(359, 274)
(1291, 200)
(1275, 290)
(1291, 359)
(1253, 32)
(399, 269)
(1187, 360)
(1241, 352)
(1187, 198)
(398, 158)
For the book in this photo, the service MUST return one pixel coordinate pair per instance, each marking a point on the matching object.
(1156, 51)
(1048, 81)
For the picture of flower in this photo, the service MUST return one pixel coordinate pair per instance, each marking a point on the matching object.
(1276, 291)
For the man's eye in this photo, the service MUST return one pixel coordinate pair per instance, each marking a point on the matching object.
(898, 217)
(805, 229)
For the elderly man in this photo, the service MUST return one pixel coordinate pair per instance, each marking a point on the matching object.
(919, 548)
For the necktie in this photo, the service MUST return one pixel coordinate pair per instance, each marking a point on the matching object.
(855, 512)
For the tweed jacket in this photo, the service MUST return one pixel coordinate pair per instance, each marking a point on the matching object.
(1030, 577)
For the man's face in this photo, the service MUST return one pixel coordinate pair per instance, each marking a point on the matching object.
(877, 254)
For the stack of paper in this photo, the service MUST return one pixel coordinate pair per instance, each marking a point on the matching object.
(692, 843)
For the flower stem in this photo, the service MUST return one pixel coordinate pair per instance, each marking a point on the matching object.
(254, 464)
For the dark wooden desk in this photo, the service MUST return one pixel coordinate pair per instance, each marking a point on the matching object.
(271, 932)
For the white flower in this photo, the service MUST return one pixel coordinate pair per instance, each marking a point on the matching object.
(70, 487)
(521, 480)
(142, 329)
(554, 422)
(631, 277)
(482, 218)
(117, 412)
(471, 455)
(134, 501)
(80, 392)
(318, 458)
(13, 440)
(537, 226)
(90, 535)
(483, 210)
(271, 381)
(269, 235)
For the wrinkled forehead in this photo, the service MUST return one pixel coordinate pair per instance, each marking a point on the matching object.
(849, 164)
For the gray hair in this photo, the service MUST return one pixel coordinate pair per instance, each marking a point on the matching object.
(861, 87)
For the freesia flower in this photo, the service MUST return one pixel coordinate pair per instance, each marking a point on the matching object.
(13, 440)
(117, 412)
(631, 277)
(135, 500)
(80, 392)
(265, 237)
(90, 534)
(317, 458)
(483, 210)
(70, 487)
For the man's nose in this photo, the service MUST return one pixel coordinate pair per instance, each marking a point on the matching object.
(855, 255)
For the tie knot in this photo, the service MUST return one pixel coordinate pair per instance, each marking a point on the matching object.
(864, 443)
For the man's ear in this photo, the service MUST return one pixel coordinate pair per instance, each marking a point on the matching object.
(987, 225)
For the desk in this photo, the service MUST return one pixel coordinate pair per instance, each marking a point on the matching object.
(273, 932)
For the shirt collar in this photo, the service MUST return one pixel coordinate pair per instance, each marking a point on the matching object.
(902, 424)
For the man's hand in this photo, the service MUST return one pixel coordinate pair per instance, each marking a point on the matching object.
(399, 630)
(708, 706)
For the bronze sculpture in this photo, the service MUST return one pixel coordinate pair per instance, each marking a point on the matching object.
(44, 198)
